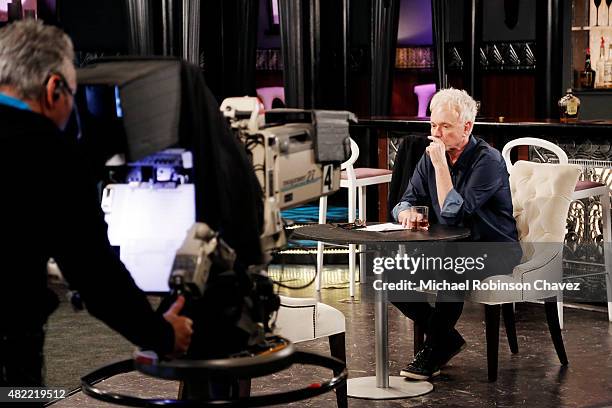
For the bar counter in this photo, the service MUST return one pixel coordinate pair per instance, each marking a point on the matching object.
(495, 128)
(583, 139)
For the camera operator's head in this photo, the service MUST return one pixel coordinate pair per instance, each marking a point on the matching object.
(36, 67)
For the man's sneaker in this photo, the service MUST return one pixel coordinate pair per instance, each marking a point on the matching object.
(424, 366)
(454, 346)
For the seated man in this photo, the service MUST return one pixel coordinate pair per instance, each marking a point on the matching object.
(464, 182)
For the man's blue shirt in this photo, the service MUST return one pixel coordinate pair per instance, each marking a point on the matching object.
(480, 198)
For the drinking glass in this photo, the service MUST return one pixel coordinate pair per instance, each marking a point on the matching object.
(418, 219)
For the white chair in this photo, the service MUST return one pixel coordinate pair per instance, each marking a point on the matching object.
(541, 196)
(356, 180)
(305, 319)
(583, 189)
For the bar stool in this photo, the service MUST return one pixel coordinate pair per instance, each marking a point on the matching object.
(269, 93)
(424, 94)
(583, 189)
(356, 180)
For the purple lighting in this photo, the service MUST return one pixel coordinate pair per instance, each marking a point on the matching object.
(275, 17)
(415, 23)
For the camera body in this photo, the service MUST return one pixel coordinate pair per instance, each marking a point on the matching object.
(295, 154)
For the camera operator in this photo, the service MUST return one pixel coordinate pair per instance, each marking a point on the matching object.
(50, 208)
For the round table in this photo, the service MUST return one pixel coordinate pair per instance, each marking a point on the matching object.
(382, 386)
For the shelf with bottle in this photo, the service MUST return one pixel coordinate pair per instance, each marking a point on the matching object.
(601, 61)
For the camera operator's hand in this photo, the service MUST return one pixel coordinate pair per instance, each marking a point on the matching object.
(181, 325)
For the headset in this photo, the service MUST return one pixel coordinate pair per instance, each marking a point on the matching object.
(60, 85)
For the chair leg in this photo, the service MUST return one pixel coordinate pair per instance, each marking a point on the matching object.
(419, 337)
(351, 210)
(609, 292)
(560, 309)
(508, 314)
(320, 247)
(552, 318)
(362, 216)
(492, 332)
(352, 267)
(337, 347)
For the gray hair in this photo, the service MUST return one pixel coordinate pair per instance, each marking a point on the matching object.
(29, 53)
(457, 100)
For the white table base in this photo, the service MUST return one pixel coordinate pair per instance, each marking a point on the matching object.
(365, 387)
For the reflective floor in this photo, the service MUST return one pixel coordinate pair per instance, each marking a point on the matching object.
(532, 378)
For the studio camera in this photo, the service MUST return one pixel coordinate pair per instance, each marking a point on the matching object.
(156, 129)
(296, 155)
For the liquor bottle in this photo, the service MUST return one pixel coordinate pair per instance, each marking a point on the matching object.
(568, 107)
(587, 76)
(599, 69)
(607, 79)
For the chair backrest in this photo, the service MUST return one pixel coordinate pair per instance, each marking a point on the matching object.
(268, 94)
(532, 141)
(348, 165)
(541, 195)
(303, 319)
(354, 156)
(296, 319)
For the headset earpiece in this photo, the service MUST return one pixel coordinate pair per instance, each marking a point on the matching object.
(56, 91)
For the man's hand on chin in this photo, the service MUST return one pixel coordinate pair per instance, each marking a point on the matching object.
(437, 152)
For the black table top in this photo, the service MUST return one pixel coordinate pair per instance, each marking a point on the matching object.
(333, 234)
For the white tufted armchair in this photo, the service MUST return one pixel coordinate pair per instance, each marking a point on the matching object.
(541, 195)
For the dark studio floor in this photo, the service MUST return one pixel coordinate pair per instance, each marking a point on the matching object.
(77, 343)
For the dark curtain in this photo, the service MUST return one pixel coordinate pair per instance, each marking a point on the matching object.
(438, 17)
(228, 42)
(331, 52)
(295, 44)
(385, 21)
(314, 41)
(140, 19)
(549, 57)
(472, 39)
(179, 35)
(247, 14)
(96, 27)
